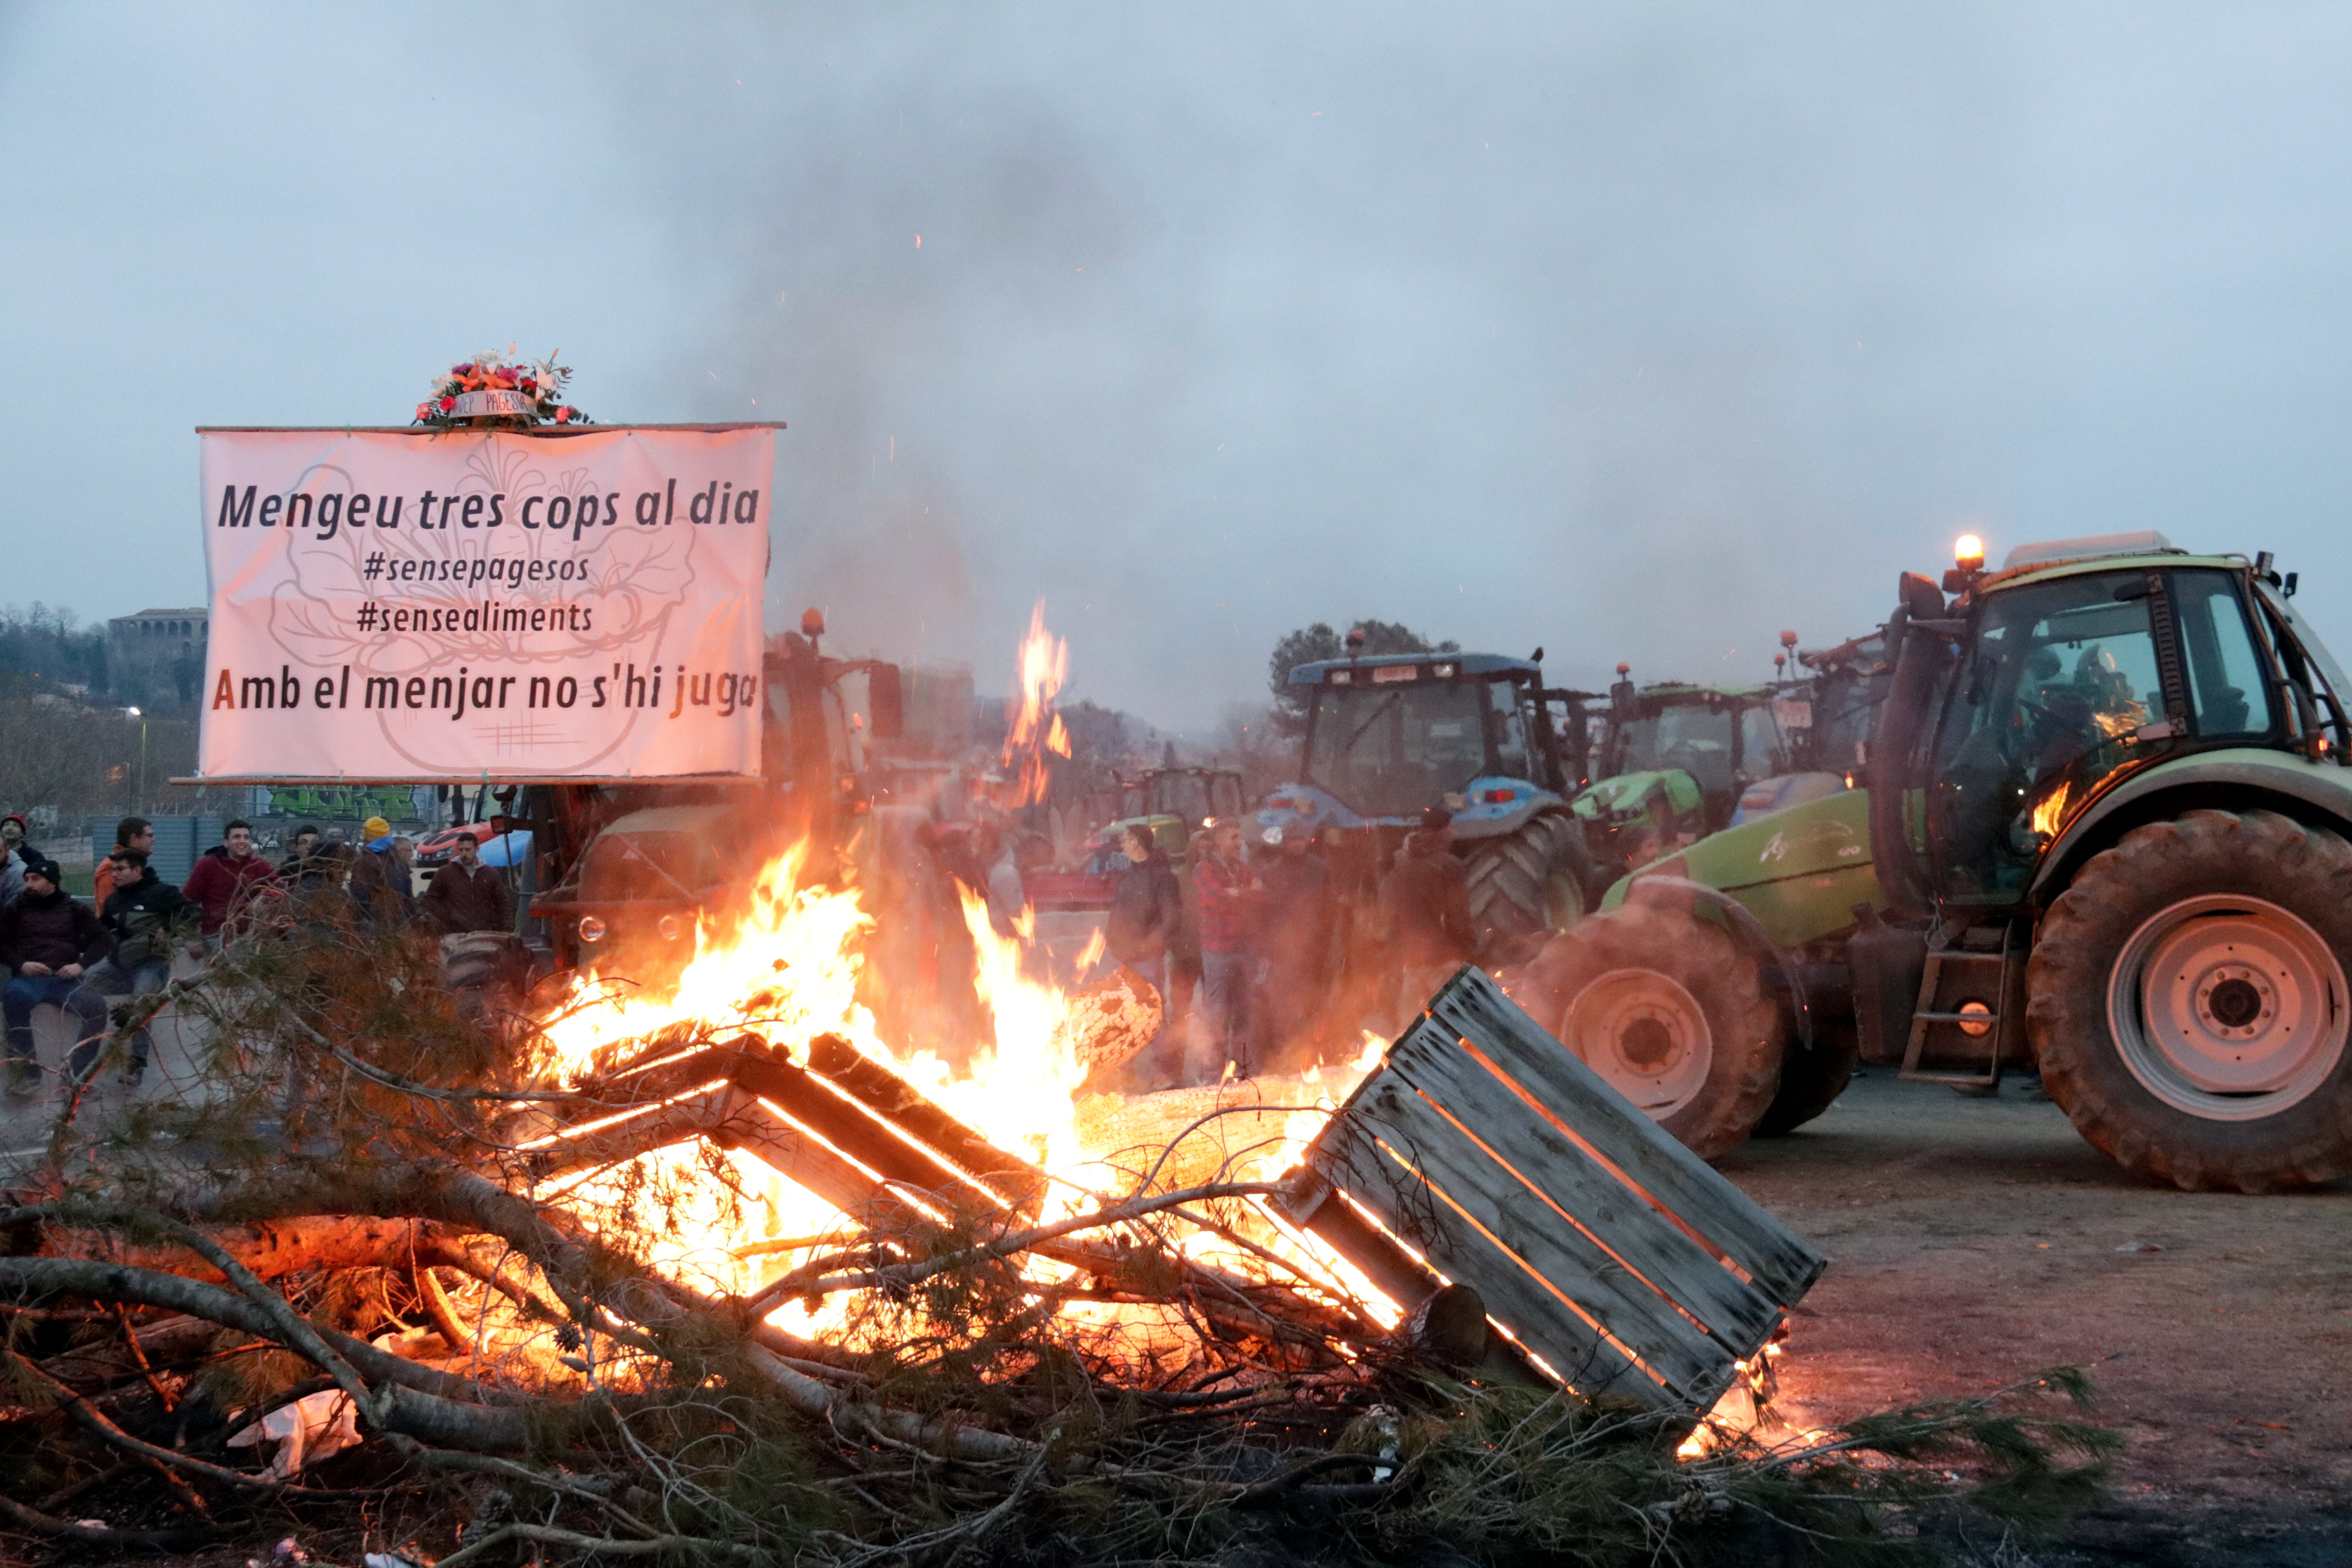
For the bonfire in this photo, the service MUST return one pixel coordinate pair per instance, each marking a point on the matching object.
(704, 1270)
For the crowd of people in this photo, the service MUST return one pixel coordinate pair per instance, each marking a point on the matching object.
(1243, 946)
(84, 957)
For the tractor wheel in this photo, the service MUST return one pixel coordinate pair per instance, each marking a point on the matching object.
(1525, 885)
(1811, 1080)
(486, 973)
(1669, 1010)
(2188, 1003)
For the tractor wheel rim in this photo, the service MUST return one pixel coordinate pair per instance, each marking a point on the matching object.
(2228, 1008)
(1646, 1034)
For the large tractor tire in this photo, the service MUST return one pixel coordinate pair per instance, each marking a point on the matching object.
(2188, 1004)
(1671, 1012)
(1811, 1078)
(488, 974)
(1525, 885)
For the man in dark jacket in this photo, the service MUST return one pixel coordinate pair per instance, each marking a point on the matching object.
(49, 938)
(1297, 941)
(296, 866)
(1146, 910)
(130, 833)
(1428, 899)
(466, 895)
(147, 917)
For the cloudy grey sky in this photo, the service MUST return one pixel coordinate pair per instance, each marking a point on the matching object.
(1638, 331)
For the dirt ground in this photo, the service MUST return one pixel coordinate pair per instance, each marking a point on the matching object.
(1972, 1242)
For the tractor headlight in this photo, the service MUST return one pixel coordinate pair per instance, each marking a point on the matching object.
(670, 927)
(590, 928)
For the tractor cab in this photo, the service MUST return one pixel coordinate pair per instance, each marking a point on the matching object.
(1193, 794)
(1826, 716)
(1391, 735)
(1674, 761)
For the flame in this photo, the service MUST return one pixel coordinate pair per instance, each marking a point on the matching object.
(2051, 809)
(787, 965)
(1031, 727)
(1744, 1411)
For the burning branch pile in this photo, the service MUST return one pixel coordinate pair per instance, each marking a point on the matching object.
(711, 1275)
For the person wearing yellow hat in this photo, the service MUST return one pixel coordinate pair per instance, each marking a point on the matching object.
(379, 883)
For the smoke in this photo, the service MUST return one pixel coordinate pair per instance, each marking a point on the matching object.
(1635, 330)
(1527, 327)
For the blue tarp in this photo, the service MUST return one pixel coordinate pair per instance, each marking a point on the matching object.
(506, 849)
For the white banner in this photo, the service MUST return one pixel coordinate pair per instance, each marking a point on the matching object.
(394, 606)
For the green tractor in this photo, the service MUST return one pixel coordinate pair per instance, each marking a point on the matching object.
(2103, 836)
(1674, 761)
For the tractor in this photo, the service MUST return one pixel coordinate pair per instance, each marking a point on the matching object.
(1676, 759)
(1388, 735)
(1192, 794)
(2103, 836)
(1826, 717)
(629, 869)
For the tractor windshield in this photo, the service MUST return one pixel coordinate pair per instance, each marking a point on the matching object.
(1691, 736)
(2050, 700)
(1391, 749)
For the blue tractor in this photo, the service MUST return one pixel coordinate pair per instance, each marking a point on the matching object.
(1388, 735)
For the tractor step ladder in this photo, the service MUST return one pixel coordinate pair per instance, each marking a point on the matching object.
(1997, 1023)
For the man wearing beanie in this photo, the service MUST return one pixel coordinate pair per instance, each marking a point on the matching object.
(222, 882)
(379, 882)
(48, 938)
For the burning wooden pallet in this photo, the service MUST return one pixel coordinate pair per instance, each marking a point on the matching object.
(844, 1127)
(1483, 1150)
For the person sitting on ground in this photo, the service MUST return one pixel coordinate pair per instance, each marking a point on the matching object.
(49, 937)
(146, 916)
(130, 833)
(225, 882)
(1428, 899)
(466, 895)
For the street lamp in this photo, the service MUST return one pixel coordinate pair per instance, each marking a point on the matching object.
(141, 798)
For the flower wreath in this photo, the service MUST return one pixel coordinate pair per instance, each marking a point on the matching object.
(492, 392)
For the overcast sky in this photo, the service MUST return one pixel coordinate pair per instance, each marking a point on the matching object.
(1636, 331)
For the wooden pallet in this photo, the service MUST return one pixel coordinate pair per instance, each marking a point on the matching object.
(1610, 1256)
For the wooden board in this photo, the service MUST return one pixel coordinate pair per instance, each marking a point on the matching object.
(1471, 1009)
(1599, 1243)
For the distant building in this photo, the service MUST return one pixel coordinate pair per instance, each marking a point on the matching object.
(156, 658)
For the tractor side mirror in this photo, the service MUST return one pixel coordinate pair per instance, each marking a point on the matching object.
(1622, 701)
(887, 699)
(1921, 597)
